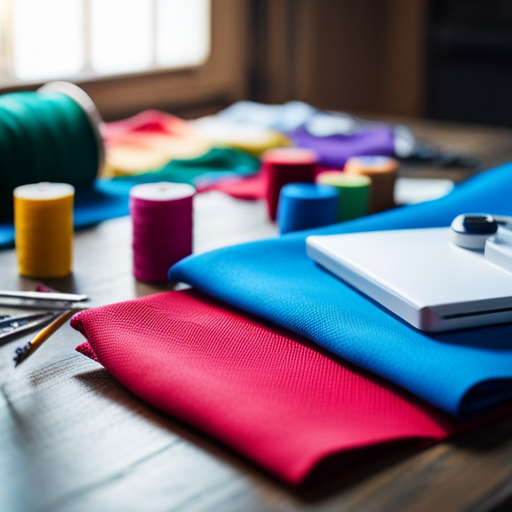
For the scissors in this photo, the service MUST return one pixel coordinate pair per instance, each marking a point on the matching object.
(57, 303)
(42, 300)
(10, 325)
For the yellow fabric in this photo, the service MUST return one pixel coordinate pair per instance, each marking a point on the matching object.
(44, 236)
(150, 153)
(257, 145)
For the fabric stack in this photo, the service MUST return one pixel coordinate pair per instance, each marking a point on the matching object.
(289, 365)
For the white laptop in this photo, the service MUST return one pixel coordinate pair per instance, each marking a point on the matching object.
(419, 275)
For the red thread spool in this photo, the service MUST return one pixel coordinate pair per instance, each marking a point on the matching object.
(287, 165)
(162, 227)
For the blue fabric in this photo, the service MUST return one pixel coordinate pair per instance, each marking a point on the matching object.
(107, 200)
(464, 372)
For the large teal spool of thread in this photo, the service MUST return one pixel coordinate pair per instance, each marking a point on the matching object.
(50, 135)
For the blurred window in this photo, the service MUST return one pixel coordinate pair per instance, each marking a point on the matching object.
(72, 39)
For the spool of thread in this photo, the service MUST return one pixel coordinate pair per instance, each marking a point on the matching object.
(50, 135)
(286, 165)
(383, 171)
(307, 206)
(43, 223)
(354, 190)
(162, 227)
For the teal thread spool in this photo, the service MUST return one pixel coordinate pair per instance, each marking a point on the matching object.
(49, 135)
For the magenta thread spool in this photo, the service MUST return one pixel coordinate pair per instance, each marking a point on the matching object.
(162, 227)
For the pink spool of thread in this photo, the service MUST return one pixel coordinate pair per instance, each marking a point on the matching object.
(162, 227)
(286, 165)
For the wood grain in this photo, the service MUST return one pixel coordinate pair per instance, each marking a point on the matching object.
(73, 439)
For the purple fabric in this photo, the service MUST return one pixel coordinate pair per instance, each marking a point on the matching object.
(334, 150)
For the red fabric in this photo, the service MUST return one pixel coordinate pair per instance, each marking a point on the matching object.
(273, 396)
(247, 188)
(148, 121)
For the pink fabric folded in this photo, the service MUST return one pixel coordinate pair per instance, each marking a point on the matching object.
(248, 188)
(271, 395)
(148, 121)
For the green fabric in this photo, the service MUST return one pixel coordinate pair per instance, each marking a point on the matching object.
(43, 137)
(217, 160)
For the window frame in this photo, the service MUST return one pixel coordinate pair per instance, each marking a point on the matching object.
(222, 78)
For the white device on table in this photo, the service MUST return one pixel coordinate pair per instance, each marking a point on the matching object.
(436, 279)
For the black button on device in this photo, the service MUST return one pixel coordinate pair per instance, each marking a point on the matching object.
(481, 224)
(471, 230)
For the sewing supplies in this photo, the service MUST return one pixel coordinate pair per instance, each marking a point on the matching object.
(38, 294)
(306, 206)
(21, 323)
(43, 223)
(354, 193)
(162, 227)
(42, 300)
(17, 302)
(9, 320)
(383, 171)
(27, 350)
(286, 165)
(49, 135)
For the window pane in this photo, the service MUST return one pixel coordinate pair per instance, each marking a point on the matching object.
(121, 35)
(183, 32)
(48, 39)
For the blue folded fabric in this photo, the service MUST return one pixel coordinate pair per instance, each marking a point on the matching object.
(464, 372)
(107, 200)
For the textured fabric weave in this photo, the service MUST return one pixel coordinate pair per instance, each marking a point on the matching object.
(271, 395)
(464, 372)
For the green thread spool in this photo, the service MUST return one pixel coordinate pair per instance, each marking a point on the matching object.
(51, 135)
(355, 193)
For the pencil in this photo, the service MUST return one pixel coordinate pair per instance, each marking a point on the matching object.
(23, 352)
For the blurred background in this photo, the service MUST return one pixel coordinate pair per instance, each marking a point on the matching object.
(439, 59)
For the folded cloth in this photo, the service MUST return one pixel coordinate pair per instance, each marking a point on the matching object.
(247, 137)
(334, 150)
(217, 160)
(284, 118)
(249, 188)
(147, 141)
(106, 200)
(464, 372)
(269, 394)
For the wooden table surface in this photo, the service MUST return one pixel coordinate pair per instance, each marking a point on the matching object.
(73, 439)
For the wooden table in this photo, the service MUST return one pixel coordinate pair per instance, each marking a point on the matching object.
(73, 439)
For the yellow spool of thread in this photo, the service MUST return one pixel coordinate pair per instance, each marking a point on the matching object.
(43, 223)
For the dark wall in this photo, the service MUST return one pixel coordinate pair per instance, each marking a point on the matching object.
(469, 61)
(364, 55)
